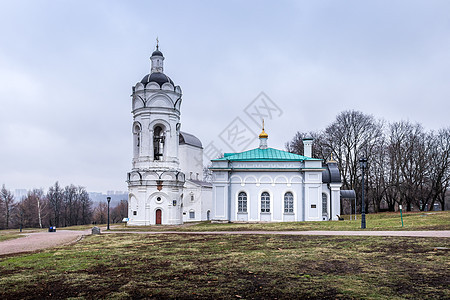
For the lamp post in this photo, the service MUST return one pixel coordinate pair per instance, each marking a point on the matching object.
(109, 200)
(363, 164)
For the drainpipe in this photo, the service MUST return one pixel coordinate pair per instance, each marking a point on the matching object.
(229, 195)
(331, 204)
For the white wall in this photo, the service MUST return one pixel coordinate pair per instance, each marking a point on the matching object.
(306, 187)
(191, 161)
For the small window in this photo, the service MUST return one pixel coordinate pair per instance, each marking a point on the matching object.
(134, 213)
(158, 142)
(192, 215)
(192, 197)
(158, 199)
(242, 202)
(324, 204)
(313, 206)
(288, 202)
(265, 202)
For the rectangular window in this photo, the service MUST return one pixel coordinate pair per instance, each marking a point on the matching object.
(192, 215)
(134, 213)
(313, 206)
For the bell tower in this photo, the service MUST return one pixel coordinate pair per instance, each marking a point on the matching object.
(155, 183)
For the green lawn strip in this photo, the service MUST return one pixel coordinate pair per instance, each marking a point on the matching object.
(133, 266)
(10, 236)
(378, 222)
(79, 227)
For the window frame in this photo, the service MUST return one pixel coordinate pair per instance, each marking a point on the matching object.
(265, 202)
(242, 203)
(288, 203)
(324, 197)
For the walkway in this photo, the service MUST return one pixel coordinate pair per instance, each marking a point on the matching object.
(43, 240)
(40, 240)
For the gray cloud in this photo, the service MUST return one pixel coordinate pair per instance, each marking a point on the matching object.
(66, 71)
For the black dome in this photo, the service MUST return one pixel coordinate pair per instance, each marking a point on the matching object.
(159, 78)
(331, 173)
(157, 53)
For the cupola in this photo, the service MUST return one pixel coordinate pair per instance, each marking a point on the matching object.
(263, 136)
(157, 59)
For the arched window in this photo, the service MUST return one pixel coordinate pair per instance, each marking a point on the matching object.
(288, 202)
(137, 139)
(191, 214)
(242, 202)
(265, 202)
(158, 142)
(324, 204)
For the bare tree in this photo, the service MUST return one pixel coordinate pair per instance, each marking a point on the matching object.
(406, 165)
(85, 206)
(7, 206)
(55, 200)
(41, 203)
(319, 147)
(409, 162)
(120, 211)
(30, 209)
(69, 203)
(440, 166)
(351, 136)
(77, 206)
(376, 178)
(101, 213)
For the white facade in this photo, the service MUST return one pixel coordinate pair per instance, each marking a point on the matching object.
(264, 184)
(163, 156)
(271, 185)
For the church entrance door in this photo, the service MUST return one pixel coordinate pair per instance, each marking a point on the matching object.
(158, 216)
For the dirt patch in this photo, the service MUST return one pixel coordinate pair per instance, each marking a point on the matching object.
(339, 267)
(224, 267)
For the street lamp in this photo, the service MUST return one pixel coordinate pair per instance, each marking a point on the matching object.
(109, 200)
(363, 164)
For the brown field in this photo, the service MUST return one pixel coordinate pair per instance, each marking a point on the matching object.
(135, 266)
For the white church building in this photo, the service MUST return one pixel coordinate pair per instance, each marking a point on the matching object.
(166, 184)
(270, 185)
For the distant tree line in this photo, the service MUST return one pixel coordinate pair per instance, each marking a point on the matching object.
(59, 207)
(407, 165)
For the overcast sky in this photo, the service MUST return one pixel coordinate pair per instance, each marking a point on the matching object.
(67, 68)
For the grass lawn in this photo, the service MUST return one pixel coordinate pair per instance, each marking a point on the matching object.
(4, 236)
(131, 266)
(9, 234)
(80, 227)
(380, 221)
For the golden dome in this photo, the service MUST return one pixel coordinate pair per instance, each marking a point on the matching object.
(263, 135)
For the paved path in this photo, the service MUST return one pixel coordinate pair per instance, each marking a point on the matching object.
(40, 240)
(43, 240)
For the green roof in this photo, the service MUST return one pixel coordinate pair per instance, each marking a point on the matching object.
(269, 154)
